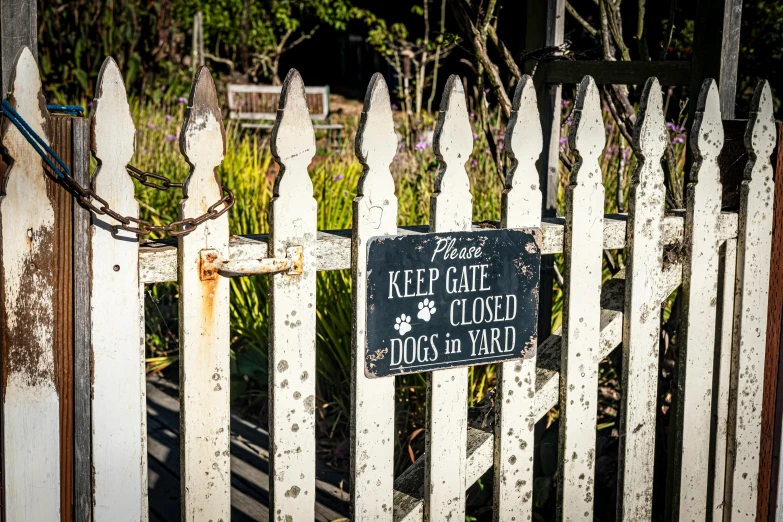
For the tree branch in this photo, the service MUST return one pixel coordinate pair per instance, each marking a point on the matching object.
(584, 23)
(478, 40)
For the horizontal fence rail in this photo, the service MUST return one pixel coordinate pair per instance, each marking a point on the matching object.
(721, 270)
(158, 259)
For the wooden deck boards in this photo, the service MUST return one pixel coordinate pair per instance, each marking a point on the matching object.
(249, 465)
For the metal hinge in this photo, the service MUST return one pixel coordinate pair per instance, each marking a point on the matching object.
(211, 265)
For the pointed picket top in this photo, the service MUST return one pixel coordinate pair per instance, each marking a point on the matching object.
(113, 133)
(453, 142)
(117, 446)
(374, 214)
(707, 133)
(760, 133)
(754, 247)
(700, 281)
(376, 140)
(641, 321)
(28, 273)
(28, 100)
(524, 142)
(203, 139)
(293, 138)
(587, 138)
(649, 136)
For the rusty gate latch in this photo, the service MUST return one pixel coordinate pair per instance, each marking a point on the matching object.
(211, 265)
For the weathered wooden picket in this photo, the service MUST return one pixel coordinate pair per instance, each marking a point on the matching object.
(723, 277)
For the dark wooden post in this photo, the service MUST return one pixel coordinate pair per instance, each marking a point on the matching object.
(70, 140)
(716, 50)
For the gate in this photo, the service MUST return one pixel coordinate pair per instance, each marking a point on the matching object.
(723, 276)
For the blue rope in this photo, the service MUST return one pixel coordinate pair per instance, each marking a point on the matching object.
(72, 110)
(40, 146)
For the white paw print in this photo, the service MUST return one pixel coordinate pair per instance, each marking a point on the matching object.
(403, 324)
(426, 309)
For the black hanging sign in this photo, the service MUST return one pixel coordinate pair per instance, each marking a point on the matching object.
(441, 300)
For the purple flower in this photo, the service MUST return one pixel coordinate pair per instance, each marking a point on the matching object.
(626, 153)
(610, 126)
(487, 90)
(611, 152)
(565, 103)
(170, 137)
(471, 115)
(394, 106)
(673, 127)
(475, 136)
(182, 100)
(501, 144)
(153, 126)
(422, 144)
(169, 117)
(338, 177)
(474, 162)
(678, 139)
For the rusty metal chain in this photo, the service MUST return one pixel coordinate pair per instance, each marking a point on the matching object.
(88, 199)
(86, 196)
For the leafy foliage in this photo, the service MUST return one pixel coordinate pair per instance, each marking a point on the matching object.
(75, 36)
(256, 33)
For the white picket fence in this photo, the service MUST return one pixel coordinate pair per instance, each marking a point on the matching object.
(596, 320)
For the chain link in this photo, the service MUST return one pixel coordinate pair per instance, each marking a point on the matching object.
(92, 201)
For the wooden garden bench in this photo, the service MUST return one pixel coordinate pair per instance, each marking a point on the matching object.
(256, 106)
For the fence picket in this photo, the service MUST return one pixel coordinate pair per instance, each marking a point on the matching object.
(375, 214)
(754, 249)
(641, 320)
(293, 222)
(515, 412)
(31, 411)
(699, 307)
(117, 412)
(204, 320)
(447, 390)
(583, 249)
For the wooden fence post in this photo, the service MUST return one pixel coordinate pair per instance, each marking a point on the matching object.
(203, 317)
(31, 399)
(117, 414)
(515, 404)
(447, 390)
(372, 402)
(293, 222)
(583, 248)
(642, 311)
(770, 495)
(750, 308)
(693, 409)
